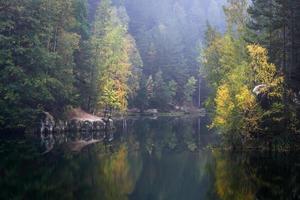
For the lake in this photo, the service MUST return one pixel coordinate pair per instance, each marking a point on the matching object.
(143, 159)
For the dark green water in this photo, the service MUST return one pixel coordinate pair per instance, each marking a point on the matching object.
(149, 159)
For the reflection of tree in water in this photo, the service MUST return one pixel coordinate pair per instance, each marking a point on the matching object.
(117, 177)
(118, 168)
(174, 175)
(188, 135)
(166, 134)
(91, 174)
(169, 170)
(232, 181)
(257, 176)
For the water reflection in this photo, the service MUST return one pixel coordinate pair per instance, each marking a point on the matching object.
(74, 140)
(143, 159)
(257, 175)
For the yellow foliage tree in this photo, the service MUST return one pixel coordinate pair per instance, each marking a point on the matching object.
(265, 72)
(112, 50)
(224, 107)
(245, 99)
(249, 109)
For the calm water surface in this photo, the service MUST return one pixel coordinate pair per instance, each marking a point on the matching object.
(144, 159)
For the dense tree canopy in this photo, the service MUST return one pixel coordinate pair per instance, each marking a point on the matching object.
(248, 70)
(38, 41)
(144, 54)
(54, 54)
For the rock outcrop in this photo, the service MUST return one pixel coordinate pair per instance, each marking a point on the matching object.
(77, 121)
(47, 122)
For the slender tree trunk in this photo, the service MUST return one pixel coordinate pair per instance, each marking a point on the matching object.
(199, 92)
(293, 46)
(270, 49)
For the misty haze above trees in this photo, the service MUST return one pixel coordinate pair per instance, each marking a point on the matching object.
(60, 53)
(149, 54)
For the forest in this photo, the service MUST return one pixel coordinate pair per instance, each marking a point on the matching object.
(237, 58)
(97, 54)
(150, 99)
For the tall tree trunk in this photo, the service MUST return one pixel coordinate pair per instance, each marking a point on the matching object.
(199, 92)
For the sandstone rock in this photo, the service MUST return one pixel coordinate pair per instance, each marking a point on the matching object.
(47, 122)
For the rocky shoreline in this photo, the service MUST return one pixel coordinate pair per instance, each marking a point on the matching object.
(77, 121)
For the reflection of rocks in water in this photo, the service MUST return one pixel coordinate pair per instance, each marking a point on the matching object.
(47, 141)
(86, 126)
(74, 125)
(109, 136)
(80, 130)
(108, 141)
(77, 146)
(47, 122)
(75, 141)
(60, 126)
(98, 125)
(86, 135)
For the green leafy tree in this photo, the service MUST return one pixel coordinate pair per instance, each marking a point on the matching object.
(37, 56)
(113, 53)
(161, 93)
(142, 99)
(189, 90)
